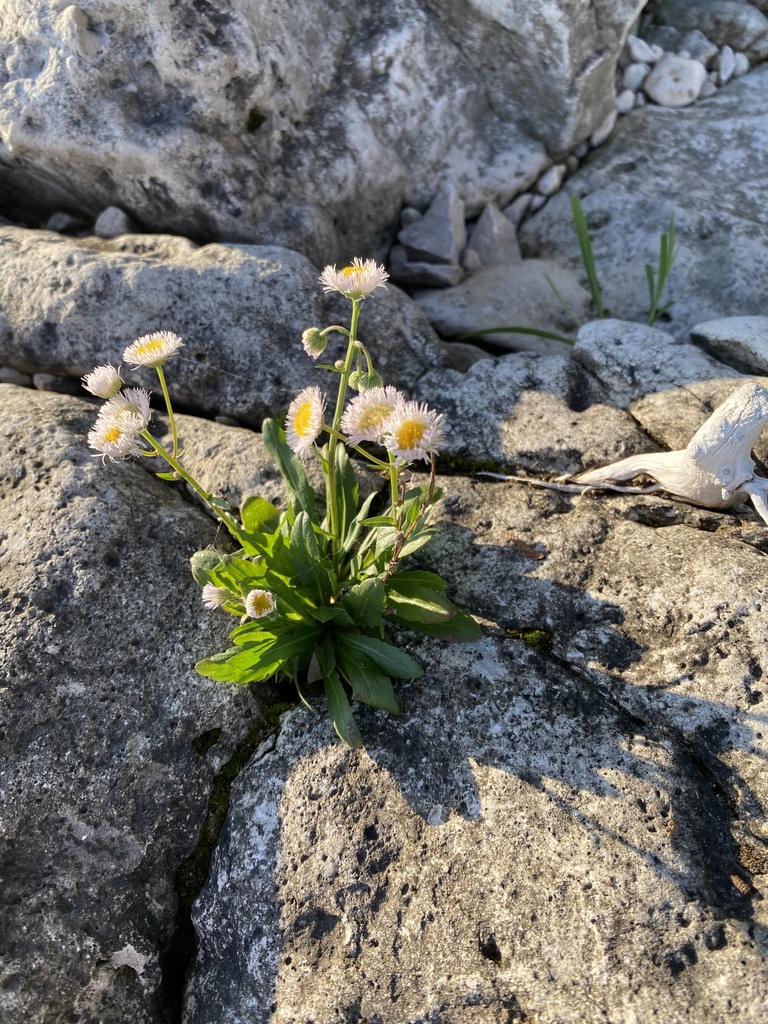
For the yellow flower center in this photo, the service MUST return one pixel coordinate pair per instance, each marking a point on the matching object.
(349, 271)
(373, 417)
(302, 421)
(150, 348)
(261, 603)
(113, 435)
(409, 434)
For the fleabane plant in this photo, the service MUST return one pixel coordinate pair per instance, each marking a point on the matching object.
(314, 595)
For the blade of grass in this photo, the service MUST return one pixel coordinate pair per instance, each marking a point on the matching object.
(587, 257)
(516, 330)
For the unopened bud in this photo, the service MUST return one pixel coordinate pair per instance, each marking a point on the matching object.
(314, 342)
(361, 381)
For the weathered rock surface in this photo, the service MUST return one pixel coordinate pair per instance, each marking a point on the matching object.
(726, 22)
(110, 739)
(509, 295)
(741, 341)
(71, 304)
(573, 835)
(656, 164)
(248, 122)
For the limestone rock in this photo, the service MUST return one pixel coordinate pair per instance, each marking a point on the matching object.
(246, 122)
(551, 180)
(417, 273)
(240, 309)
(503, 296)
(438, 236)
(111, 740)
(494, 239)
(725, 22)
(674, 81)
(530, 411)
(604, 130)
(634, 75)
(652, 168)
(594, 780)
(625, 101)
(113, 222)
(699, 47)
(739, 341)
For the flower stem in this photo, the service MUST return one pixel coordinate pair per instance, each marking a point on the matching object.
(229, 521)
(169, 407)
(333, 511)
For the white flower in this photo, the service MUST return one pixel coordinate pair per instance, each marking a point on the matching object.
(366, 416)
(259, 603)
(356, 281)
(414, 431)
(129, 410)
(153, 349)
(215, 597)
(304, 421)
(111, 440)
(104, 381)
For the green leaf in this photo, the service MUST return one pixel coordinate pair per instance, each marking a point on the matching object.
(416, 578)
(517, 330)
(421, 604)
(203, 563)
(309, 562)
(357, 524)
(338, 705)
(300, 493)
(389, 658)
(259, 659)
(587, 257)
(461, 628)
(259, 515)
(369, 685)
(365, 603)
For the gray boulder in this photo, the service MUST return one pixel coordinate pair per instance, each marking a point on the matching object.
(68, 305)
(568, 834)
(734, 23)
(250, 122)
(111, 741)
(656, 164)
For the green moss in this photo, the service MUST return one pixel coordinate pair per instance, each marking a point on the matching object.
(537, 639)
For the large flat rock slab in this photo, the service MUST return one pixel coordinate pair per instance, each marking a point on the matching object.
(573, 833)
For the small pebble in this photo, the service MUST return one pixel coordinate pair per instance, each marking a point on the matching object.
(572, 163)
(708, 89)
(581, 150)
(741, 64)
(698, 47)
(603, 131)
(409, 215)
(113, 222)
(625, 101)
(656, 52)
(639, 50)
(714, 78)
(10, 376)
(551, 180)
(640, 100)
(675, 82)
(518, 208)
(537, 202)
(726, 64)
(634, 76)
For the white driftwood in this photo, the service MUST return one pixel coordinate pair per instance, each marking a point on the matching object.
(715, 470)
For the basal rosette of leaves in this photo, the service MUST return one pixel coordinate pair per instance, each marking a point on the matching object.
(314, 596)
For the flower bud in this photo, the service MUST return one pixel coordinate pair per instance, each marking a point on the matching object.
(361, 381)
(314, 342)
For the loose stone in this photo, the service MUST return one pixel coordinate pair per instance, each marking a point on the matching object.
(625, 101)
(603, 130)
(675, 82)
(634, 76)
(493, 240)
(698, 47)
(113, 222)
(439, 236)
(518, 208)
(726, 64)
(741, 64)
(551, 180)
(639, 50)
(708, 89)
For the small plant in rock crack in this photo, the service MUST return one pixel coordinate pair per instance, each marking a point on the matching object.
(656, 282)
(313, 595)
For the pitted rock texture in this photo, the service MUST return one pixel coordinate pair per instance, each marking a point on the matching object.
(110, 738)
(251, 122)
(554, 834)
(655, 165)
(69, 305)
